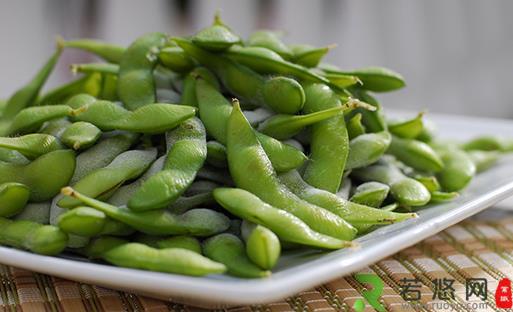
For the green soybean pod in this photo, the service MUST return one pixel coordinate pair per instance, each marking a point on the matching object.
(82, 221)
(169, 260)
(408, 129)
(374, 121)
(342, 81)
(307, 55)
(483, 160)
(288, 227)
(103, 182)
(229, 250)
(32, 236)
(329, 144)
(13, 198)
(216, 154)
(367, 148)
(175, 59)
(252, 170)
(283, 126)
(488, 143)
(12, 156)
(217, 37)
(438, 196)
(371, 194)
(89, 84)
(136, 86)
(405, 190)
(189, 85)
(283, 95)
(353, 213)
(27, 95)
(31, 145)
(214, 111)
(355, 128)
(458, 170)
(377, 79)
(44, 176)
(187, 151)
(262, 245)
(196, 222)
(416, 154)
(32, 118)
(109, 52)
(270, 40)
(55, 127)
(81, 135)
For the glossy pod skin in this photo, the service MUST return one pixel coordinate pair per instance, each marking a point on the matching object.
(215, 110)
(109, 52)
(249, 207)
(329, 144)
(38, 238)
(283, 95)
(229, 250)
(170, 260)
(377, 79)
(81, 135)
(32, 118)
(188, 96)
(175, 59)
(307, 55)
(150, 119)
(196, 222)
(27, 95)
(217, 37)
(416, 154)
(354, 213)
(187, 151)
(408, 129)
(458, 171)
(262, 245)
(488, 143)
(31, 145)
(89, 222)
(13, 198)
(12, 156)
(355, 127)
(44, 176)
(251, 170)
(371, 194)
(270, 40)
(103, 182)
(367, 148)
(136, 86)
(405, 190)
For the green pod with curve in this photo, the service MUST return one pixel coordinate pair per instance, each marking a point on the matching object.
(32, 118)
(283, 95)
(13, 198)
(101, 183)
(32, 145)
(107, 51)
(252, 170)
(44, 176)
(270, 40)
(188, 96)
(12, 156)
(216, 154)
(458, 169)
(374, 121)
(288, 227)
(195, 222)
(377, 79)
(307, 55)
(88, 222)
(81, 135)
(408, 129)
(136, 86)
(187, 151)
(355, 128)
(217, 37)
(405, 190)
(38, 238)
(262, 245)
(329, 144)
(371, 194)
(488, 143)
(229, 250)
(416, 154)
(175, 59)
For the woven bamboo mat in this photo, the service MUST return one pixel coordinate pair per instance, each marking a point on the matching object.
(477, 249)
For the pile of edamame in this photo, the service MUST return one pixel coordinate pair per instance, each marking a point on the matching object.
(212, 154)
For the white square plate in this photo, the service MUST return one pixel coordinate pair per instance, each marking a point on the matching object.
(300, 270)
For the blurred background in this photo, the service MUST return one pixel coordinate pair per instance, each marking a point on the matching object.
(456, 55)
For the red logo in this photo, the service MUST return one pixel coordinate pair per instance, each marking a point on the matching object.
(503, 294)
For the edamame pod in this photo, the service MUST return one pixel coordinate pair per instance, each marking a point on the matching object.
(283, 126)
(196, 222)
(31, 145)
(136, 86)
(370, 194)
(408, 129)
(88, 84)
(377, 79)
(458, 169)
(262, 245)
(251, 170)
(307, 55)
(175, 59)
(229, 250)
(109, 52)
(32, 118)
(88, 222)
(483, 160)
(374, 121)
(13, 198)
(283, 95)
(329, 144)
(288, 227)
(488, 143)
(44, 176)
(80, 135)
(189, 85)
(354, 129)
(12, 156)
(103, 182)
(151, 119)
(187, 151)
(184, 242)
(415, 154)
(38, 238)
(405, 190)
(217, 37)
(367, 148)
(270, 40)
(353, 213)
(27, 95)
(214, 111)
(55, 127)
(216, 154)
